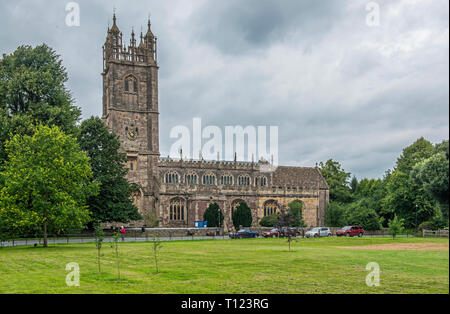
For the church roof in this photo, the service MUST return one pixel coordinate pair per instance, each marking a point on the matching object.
(295, 176)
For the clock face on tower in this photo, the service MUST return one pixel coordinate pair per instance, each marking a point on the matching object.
(132, 135)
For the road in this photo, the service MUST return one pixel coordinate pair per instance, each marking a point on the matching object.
(127, 239)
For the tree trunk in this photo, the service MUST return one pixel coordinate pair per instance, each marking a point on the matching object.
(45, 232)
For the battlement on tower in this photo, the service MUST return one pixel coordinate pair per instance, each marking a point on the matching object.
(115, 50)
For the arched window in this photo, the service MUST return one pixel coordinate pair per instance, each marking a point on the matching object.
(226, 179)
(131, 84)
(270, 208)
(176, 209)
(244, 180)
(191, 178)
(261, 181)
(171, 178)
(209, 179)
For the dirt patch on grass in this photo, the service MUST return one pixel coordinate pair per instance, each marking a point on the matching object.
(403, 246)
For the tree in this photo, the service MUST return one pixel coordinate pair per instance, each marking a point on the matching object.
(420, 150)
(10, 126)
(156, 247)
(373, 191)
(405, 197)
(46, 182)
(32, 82)
(354, 184)
(99, 237)
(33, 91)
(114, 202)
(338, 181)
(296, 209)
(242, 216)
(115, 247)
(395, 226)
(433, 175)
(335, 214)
(213, 215)
(286, 219)
(360, 213)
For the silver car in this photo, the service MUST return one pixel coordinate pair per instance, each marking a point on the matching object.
(319, 232)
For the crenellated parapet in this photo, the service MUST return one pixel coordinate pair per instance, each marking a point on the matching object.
(114, 49)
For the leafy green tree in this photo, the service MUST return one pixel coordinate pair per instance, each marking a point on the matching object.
(242, 216)
(373, 192)
(269, 221)
(420, 150)
(213, 215)
(335, 214)
(361, 213)
(32, 81)
(114, 202)
(395, 226)
(33, 91)
(407, 198)
(338, 181)
(432, 174)
(46, 182)
(10, 126)
(296, 209)
(353, 184)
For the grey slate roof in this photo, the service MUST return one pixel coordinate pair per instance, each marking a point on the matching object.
(295, 176)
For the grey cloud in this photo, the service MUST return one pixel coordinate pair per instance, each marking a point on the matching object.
(236, 26)
(335, 87)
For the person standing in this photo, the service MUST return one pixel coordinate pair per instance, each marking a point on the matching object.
(123, 232)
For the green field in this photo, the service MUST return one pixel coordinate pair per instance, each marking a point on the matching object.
(230, 266)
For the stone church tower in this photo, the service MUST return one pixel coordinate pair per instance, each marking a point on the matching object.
(130, 108)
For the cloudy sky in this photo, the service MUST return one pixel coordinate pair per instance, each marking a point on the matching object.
(336, 87)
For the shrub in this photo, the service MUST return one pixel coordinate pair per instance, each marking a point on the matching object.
(213, 215)
(269, 221)
(242, 216)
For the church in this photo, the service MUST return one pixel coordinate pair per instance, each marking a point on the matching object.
(178, 191)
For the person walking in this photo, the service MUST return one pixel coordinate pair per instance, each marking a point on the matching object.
(123, 232)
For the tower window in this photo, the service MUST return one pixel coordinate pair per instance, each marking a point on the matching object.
(132, 163)
(131, 85)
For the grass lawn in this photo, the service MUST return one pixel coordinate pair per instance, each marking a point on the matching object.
(327, 265)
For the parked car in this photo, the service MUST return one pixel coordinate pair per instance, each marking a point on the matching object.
(319, 232)
(288, 231)
(274, 233)
(244, 233)
(350, 231)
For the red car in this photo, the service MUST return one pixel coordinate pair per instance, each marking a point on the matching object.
(288, 232)
(350, 231)
(274, 233)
